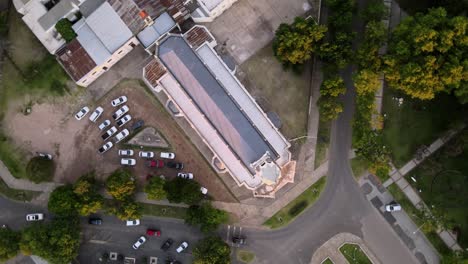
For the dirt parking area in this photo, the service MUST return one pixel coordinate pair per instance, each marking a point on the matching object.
(52, 128)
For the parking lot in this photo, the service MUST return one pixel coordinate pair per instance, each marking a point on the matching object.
(52, 128)
(114, 236)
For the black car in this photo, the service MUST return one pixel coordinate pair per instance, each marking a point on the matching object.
(175, 165)
(167, 244)
(95, 221)
(137, 124)
(238, 240)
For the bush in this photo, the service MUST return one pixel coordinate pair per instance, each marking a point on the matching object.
(297, 208)
(40, 169)
(64, 27)
(9, 243)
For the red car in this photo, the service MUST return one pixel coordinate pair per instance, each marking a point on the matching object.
(155, 163)
(153, 232)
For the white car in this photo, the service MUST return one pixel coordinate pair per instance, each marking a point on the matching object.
(84, 111)
(104, 124)
(34, 217)
(127, 162)
(203, 190)
(96, 114)
(124, 120)
(146, 154)
(167, 155)
(123, 134)
(119, 101)
(121, 112)
(139, 242)
(125, 152)
(132, 222)
(111, 131)
(182, 247)
(105, 147)
(393, 207)
(188, 176)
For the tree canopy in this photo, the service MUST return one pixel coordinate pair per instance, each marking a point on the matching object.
(206, 216)
(63, 201)
(428, 54)
(181, 190)
(155, 189)
(212, 250)
(40, 169)
(9, 243)
(125, 210)
(64, 27)
(294, 43)
(121, 185)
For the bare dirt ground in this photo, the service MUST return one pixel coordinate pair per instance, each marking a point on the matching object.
(52, 128)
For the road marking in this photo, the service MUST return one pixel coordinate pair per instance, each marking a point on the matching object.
(97, 241)
(227, 235)
(240, 230)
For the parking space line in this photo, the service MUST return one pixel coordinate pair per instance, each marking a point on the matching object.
(227, 235)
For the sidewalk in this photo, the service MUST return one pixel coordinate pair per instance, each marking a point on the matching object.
(22, 184)
(397, 177)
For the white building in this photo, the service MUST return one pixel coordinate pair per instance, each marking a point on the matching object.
(208, 10)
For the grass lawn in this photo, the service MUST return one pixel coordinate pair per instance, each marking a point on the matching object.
(327, 261)
(164, 210)
(354, 254)
(279, 91)
(359, 166)
(297, 206)
(19, 195)
(443, 181)
(245, 256)
(323, 142)
(416, 122)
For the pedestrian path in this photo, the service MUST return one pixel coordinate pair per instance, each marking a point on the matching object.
(397, 177)
(21, 184)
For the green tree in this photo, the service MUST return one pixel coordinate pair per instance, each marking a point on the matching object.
(9, 243)
(428, 54)
(338, 51)
(64, 27)
(329, 107)
(88, 198)
(125, 210)
(295, 43)
(63, 201)
(375, 10)
(341, 14)
(57, 241)
(121, 185)
(40, 169)
(332, 86)
(366, 81)
(206, 216)
(212, 250)
(155, 189)
(181, 190)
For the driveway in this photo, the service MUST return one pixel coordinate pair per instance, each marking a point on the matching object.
(249, 25)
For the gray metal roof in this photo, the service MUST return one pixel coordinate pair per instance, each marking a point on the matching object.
(212, 99)
(109, 27)
(59, 11)
(88, 6)
(163, 24)
(90, 42)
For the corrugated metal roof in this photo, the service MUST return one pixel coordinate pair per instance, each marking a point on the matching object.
(91, 42)
(148, 36)
(212, 99)
(161, 26)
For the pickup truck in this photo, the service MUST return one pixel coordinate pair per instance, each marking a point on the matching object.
(111, 131)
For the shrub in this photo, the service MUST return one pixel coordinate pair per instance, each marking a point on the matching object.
(40, 169)
(64, 27)
(297, 208)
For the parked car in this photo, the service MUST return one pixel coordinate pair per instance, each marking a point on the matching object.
(118, 101)
(121, 112)
(104, 124)
(84, 111)
(153, 232)
(96, 114)
(175, 165)
(125, 152)
(203, 190)
(139, 242)
(34, 217)
(120, 136)
(44, 155)
(183, 246)
(111, 131)
(238, 240)
(132, 222)
(124, 120)
(105, 147)
(95, 221)
(167, 155)
(188, 175)
(155, 163)
(137, 124)
(393, 207)
(167, 244)
(127, 162)
(146, 154)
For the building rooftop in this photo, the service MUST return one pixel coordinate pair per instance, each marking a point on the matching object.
(214, 102)
(91, 42)
(163, 24)
(153, 71)
(75, 60)
(196, 36)
(129, 12)
(210, 4)
(155, 8)
(60, 10)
